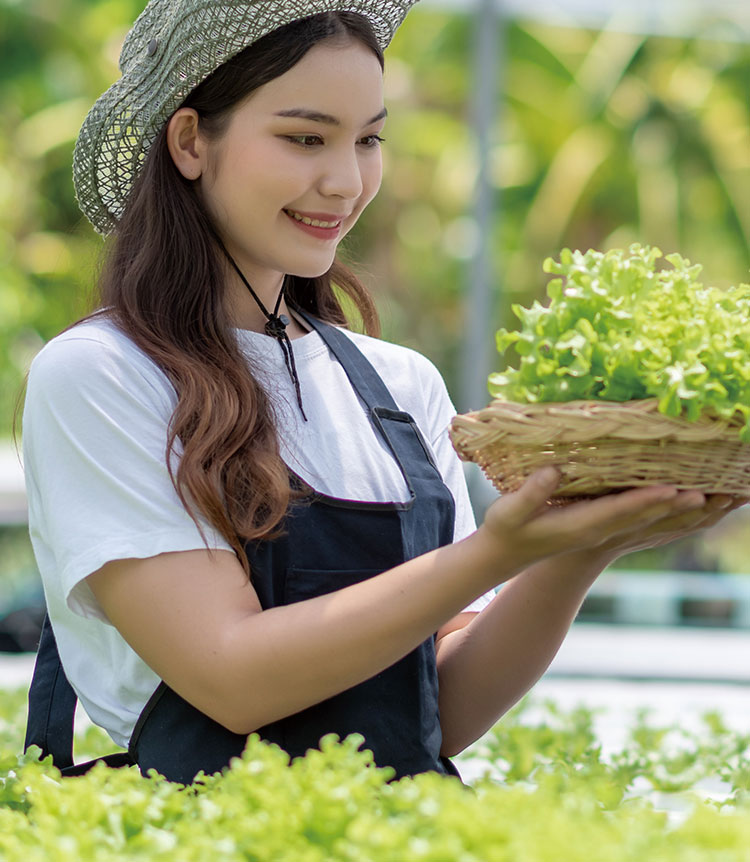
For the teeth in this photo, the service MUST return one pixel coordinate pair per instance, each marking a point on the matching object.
(311, 221)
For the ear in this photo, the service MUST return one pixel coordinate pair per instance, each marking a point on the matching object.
(185, 144)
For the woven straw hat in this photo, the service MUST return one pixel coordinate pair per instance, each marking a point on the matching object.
(175, 45)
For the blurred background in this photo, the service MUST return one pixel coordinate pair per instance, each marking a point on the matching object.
(515, 129)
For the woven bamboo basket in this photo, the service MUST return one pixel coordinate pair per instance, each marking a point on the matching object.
(602, 446)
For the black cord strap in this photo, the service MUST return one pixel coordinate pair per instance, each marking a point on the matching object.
(276, 325)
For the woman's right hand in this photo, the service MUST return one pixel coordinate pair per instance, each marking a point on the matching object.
(523, 528)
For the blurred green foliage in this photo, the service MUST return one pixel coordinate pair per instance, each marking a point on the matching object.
(601, 139)
(55, 58)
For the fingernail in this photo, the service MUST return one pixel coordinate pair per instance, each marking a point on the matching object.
(691, 502)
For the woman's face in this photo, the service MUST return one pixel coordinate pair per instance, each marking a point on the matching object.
(304, 145)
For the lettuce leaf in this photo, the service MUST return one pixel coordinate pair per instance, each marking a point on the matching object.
(616, 328)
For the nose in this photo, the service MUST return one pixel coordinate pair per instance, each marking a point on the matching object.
(342, 176)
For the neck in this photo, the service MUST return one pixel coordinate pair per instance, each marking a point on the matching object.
(252, 305)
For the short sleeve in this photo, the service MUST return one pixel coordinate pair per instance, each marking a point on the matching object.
(95, 434)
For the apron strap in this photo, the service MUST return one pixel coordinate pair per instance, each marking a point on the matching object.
(389, 421)
(52, 704)
(364, 378)
(52, 707)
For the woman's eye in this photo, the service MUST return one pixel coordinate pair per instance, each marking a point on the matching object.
(309, 141)
(304, 140)
(373, 140)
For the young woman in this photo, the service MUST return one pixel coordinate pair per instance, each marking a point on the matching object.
(247, 517)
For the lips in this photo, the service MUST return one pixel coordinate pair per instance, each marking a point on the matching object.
(322, 220)
(326, 234)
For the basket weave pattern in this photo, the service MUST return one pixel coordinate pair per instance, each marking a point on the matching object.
(601, 446)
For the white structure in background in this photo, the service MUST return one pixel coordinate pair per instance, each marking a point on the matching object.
(12, 490)
(711, 19)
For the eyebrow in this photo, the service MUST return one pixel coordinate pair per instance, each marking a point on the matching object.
(328, 119)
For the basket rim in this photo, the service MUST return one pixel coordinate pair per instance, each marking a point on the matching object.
(644, 405)
(584, 421)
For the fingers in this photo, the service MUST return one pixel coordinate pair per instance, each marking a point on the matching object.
(718, 507)
(683, 525)
(629, 509)
(643, 517)
(634, 516)
(714, 508)
(531, 498)
(693, 518)
(719, 502)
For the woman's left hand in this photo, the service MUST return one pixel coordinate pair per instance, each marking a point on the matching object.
(714, 508)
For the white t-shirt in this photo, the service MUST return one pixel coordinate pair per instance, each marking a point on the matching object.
(95, 430)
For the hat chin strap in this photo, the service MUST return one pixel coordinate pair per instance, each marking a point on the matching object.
(276, 325)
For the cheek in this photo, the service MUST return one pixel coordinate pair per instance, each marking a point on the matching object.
(372, 177)
(259, 176)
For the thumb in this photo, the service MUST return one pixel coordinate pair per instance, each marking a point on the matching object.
(532, 496)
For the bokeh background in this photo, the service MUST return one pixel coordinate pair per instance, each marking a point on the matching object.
(598, 136)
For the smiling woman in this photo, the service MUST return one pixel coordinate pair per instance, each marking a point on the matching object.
(301, 149)
(248, 517)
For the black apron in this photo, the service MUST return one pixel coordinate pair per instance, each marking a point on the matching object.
(327, 544)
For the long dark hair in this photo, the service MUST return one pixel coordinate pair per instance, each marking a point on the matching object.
(163, 284)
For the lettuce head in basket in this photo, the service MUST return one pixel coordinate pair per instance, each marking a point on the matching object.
(618, 329)
(632, 374)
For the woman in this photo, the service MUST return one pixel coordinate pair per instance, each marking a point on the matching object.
(246, 517)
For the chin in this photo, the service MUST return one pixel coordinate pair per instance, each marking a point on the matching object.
(310, 271)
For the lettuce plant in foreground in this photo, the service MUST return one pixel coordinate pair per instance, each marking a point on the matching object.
(616, 328)
(556, 797)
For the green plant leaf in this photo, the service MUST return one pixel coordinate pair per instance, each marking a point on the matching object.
(616, 328)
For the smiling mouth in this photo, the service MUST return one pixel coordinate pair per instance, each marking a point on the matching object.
(312, 222)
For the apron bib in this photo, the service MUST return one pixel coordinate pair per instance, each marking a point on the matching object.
(327, 544)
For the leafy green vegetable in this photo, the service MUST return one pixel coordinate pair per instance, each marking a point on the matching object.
(550, 794)
(618, 329)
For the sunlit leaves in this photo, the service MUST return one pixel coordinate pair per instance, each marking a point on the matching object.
(550, 793)
(601, 139)
(617, 328)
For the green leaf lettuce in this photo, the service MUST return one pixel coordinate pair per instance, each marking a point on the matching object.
(616, 328)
